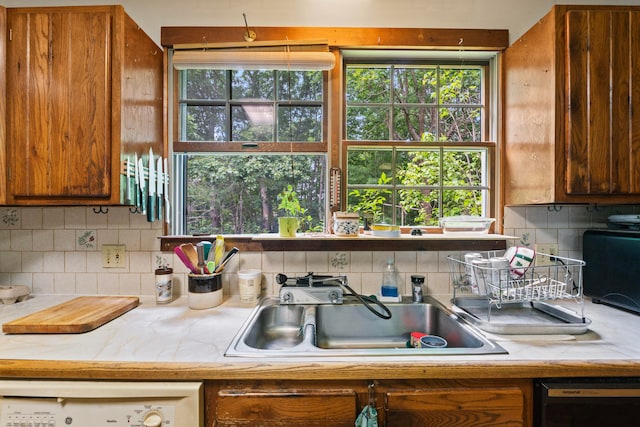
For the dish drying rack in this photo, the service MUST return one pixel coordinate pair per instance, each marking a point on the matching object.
(548, 278)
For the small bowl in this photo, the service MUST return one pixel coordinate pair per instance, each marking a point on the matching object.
(433, 341)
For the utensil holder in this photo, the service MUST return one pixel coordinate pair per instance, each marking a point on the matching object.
(205, 290)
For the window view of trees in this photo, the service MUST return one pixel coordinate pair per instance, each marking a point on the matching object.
(436, 105)
(413, 137)
(236, 193)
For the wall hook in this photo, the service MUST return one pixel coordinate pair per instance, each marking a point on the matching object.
(593, 208)
(249, 35)
(134, 210)
(101, 210)
(554, 208)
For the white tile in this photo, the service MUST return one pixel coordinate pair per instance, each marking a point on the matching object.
(380, 259)
(21, 240)
(129, 238)
(139, 222)
(31, 218)
(295, 261)
(75, 217)
(406, 261)
(118, 218)
(53, 262)
(10, 262)
(5, 240)
(64, 283)
(10, 218)
(32, 262)
(42, 283)
(558, 217)
(25, 279)
(515, 217)
(427, 261)
(108, 284)
(129, 284)
(537, 216)
(42, 240)
(107, 237)
(94, 262)
(361, 262)
(87, 283)
(149, 240)
(579, 217)
(318, 262)
(53, 218)
(546, 235)
(250, 260)
(272, 262)
(75, 262)
(64, 240)
(96, 221)
(140, 262)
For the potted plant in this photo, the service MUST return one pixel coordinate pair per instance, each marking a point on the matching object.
(289, 203)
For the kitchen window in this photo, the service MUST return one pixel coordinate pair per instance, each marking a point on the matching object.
(416, 141)
(244, 136)
(417, 144)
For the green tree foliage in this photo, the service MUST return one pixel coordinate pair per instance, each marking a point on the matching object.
(428, 104)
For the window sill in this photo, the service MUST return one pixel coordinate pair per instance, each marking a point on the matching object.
(330, 242)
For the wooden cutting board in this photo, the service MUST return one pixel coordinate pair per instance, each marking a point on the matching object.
(78, 315)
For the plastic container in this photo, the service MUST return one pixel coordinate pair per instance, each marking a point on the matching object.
(466, 224)
(250, 285)
(390, 281)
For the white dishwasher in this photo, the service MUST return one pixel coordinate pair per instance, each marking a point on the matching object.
(42, 403)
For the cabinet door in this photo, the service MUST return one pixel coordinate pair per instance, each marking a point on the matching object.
(285, 407)
(475, 407)
(603, 101)
(59, 92)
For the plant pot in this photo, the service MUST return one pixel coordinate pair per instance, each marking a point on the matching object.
(288, 225)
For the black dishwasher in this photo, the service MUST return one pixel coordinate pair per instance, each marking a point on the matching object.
(579, 402)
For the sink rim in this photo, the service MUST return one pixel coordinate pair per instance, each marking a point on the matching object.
(308, 348)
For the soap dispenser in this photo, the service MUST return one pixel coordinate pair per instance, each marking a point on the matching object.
(390, 281)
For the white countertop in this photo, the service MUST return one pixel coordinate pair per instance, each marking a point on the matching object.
(175, 333)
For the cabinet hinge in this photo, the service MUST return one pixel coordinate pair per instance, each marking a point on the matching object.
(10, 34)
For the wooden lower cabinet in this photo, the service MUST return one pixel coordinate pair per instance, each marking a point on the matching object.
(401, 403)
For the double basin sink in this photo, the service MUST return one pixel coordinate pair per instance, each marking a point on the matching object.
(350, 329)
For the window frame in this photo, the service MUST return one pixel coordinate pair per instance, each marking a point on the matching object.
(490, 101)
(179, 145)
(380, 38)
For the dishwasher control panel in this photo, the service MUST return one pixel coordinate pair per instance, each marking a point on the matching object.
(35, 412)
(34, 403)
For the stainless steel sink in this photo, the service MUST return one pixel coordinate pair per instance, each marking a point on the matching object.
(350, 329)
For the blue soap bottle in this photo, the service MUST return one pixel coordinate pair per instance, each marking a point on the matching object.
(390, 280)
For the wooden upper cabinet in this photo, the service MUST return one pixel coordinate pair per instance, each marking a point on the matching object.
(572, 99)
(73, 76)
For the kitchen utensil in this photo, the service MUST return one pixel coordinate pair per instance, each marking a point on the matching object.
(151, 195)
(10, 294)
(141, 183)
(226, 259)
(78, 315)
(159, 188)
(190, 251)
(178, 250)
(207, 248)
(165, 181)
(202, 268)
(218, 250)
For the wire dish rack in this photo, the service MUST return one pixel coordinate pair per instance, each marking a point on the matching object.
(549, 277)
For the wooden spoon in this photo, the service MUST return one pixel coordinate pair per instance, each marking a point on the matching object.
(190, 251)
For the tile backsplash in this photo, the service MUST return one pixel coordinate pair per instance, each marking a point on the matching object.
(58, 250)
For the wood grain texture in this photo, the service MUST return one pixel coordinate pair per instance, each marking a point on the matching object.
(86, 85)
(81, 314)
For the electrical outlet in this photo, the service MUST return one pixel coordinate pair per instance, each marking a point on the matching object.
(113, 256)
(548, 249)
